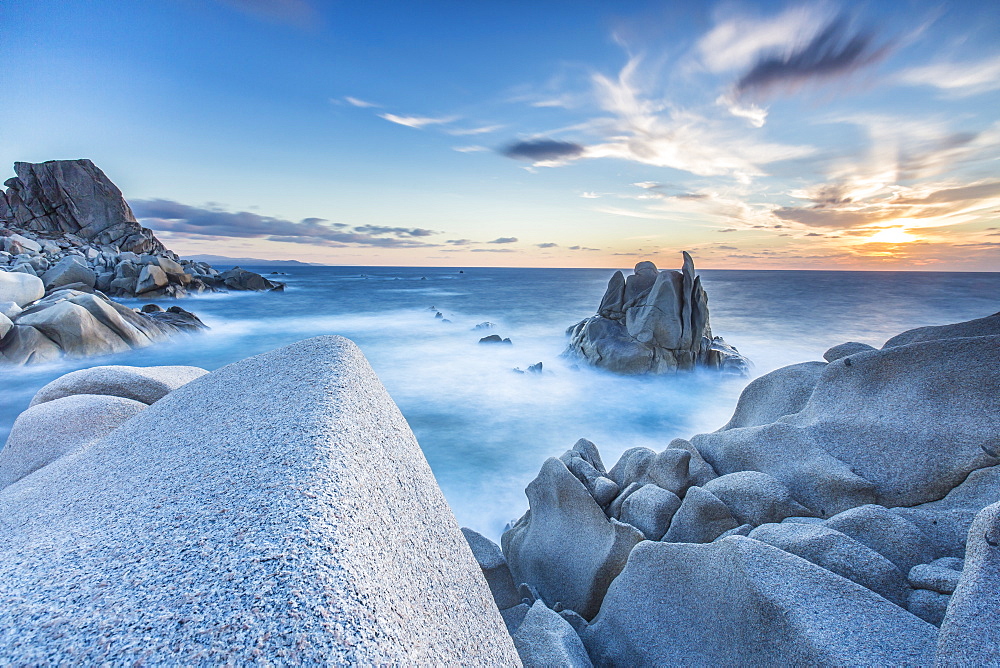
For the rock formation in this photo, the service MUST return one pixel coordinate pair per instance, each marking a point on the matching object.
(654, 322)
(840, 517)
(65, 221)
(75, 323)
(204, 530)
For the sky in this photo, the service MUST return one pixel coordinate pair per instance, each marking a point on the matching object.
(757, 135)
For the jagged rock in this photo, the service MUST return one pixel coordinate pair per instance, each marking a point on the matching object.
(20, 288)
(873, 432)
(632, 467)
(970, 632)
(5, 325)
(739, 601)
(845, 349)
(10, 309)
(650, 509)
(513, 617)
(71, 269)
(701, 518)
(209, 530)
(840, 554)
(75, 196)
(44, 433)
(494, 566)
(564, 545)
(544, 640)
(653, 322)
(145, 384)
(494, 338)
(782, 392)
(755, 498)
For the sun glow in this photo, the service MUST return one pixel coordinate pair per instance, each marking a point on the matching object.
(891, 235)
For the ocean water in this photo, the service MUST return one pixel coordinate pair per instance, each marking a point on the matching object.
(486, 429)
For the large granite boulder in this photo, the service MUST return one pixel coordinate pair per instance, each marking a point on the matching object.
(739, 601)
(546, 640)
(147, 384)
(44, 433)
(208, 530)
(653, 322)
(20, 288)
(71, 269)
(970, 633)
(876, 429)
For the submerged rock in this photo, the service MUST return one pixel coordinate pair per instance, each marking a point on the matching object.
(653, 322)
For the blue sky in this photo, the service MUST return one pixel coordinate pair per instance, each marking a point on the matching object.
(768, 135)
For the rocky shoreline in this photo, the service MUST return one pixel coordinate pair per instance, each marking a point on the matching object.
(65, 225)
(848, 514)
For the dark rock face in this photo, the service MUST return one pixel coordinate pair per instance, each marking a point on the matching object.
(653, 322)
(75, 197)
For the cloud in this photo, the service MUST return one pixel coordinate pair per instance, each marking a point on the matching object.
(589, 195)
(459, 242)
(299, 13)
(648, 185)
(547, 244)
(584, 248)
(736, 41)
(834, 51)
(355, 102)
(543, 151)
(728, 229)
(956, 79)
(493, 250)
(213, 222)
(469, 149)
(417, 122)
(476, 131)
(503, 240)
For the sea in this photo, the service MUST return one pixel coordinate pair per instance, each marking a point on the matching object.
(484, 427)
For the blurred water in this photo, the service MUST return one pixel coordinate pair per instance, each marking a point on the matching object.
(484, 428)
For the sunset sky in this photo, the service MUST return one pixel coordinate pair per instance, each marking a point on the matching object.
(814, 135)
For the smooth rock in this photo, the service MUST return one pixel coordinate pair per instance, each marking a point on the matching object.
(564, 545)
(42, 434)
(884, 531)
(970, 632)
(26, 345)
(544, 640)
(151, 278)
(20, 288)
(71, 269)
(782, 392)
(74, 330)
(929, 606)
(145, 384)
(10, 309)
(650, 509)
(845, 349)
(988, 326)
(840, 554)
(755, 498)
(701, 518)
(742, 602)
(209, 530)
(935, 578)
(5, 325)
(494, 566)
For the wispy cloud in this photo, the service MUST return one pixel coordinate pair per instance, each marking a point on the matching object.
(486, 129)
(957, 79)
(503, 240)
(212, 222)
(418, 122)
(547, 244)
(470, 149)
(363, 104)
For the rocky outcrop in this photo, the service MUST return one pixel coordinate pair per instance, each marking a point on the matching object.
(77, 324)
(65, 221)
(827, 523)
(205, 530)
(654, 322)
